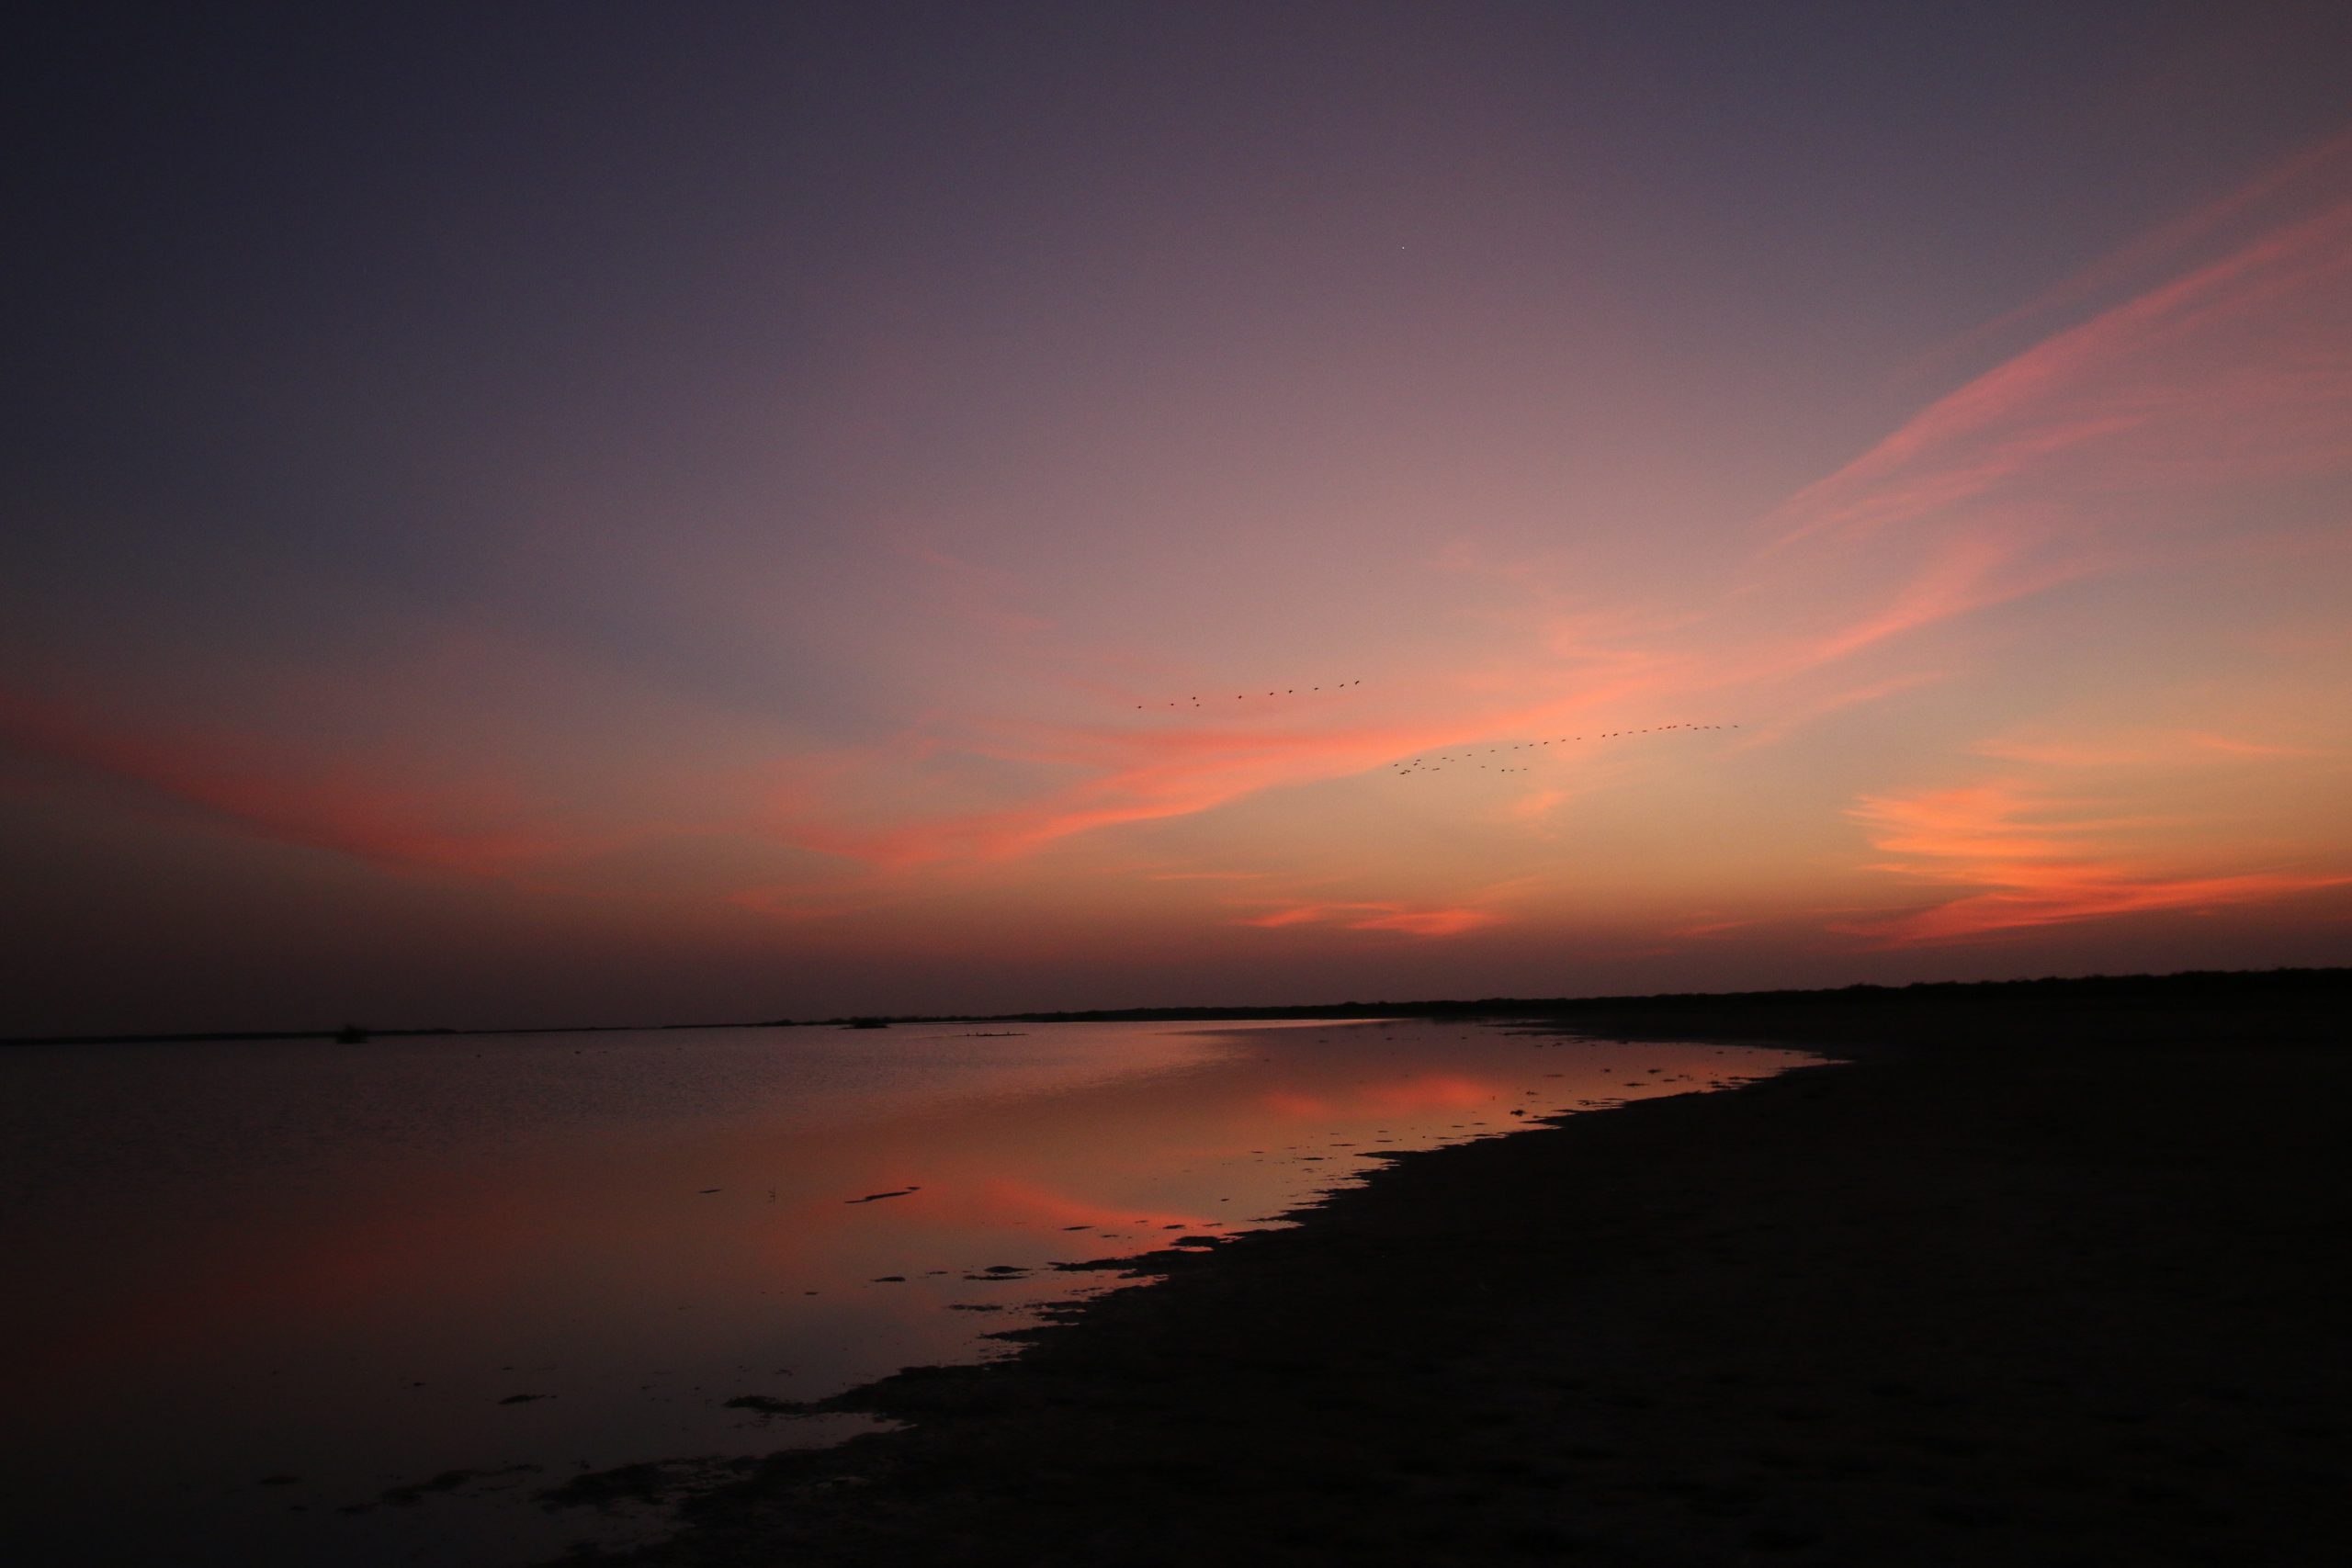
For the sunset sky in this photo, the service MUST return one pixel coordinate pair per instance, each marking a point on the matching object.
(624, 512)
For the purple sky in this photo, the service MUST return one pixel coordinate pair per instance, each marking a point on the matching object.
(611, 511)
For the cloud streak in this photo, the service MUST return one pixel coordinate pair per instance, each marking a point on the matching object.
(2208, 376)
(480, 831)
(1428, 922)
(2037, 859)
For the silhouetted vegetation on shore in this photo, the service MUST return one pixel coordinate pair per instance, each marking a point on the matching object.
(2111, 1004)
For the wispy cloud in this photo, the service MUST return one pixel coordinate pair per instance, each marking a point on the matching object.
(1436, 921)
(480, 830)
(2017, 483)
(2141, 749)
(2038, 859)
(2213, 375)
(2161, 248)
(1775, 730)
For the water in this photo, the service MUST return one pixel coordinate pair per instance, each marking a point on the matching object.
(258, 1290)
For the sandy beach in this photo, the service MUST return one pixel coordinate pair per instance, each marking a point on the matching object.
(2020, 1280)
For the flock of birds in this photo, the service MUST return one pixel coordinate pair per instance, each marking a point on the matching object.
(1436, 762)
(1244, 696)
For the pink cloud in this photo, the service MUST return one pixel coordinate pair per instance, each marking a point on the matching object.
(2160, 246)
(2216, 373)
(1972, 570)
(2178, 748)
(2019, 482)
(1778, 731)
(1131, 775)
(481, 829)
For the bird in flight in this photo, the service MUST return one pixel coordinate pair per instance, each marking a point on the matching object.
(1431, 762)
(1244, 696)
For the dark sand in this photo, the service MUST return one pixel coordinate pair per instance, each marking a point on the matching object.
(2036, 1285)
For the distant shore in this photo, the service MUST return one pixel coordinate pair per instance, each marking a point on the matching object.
(2104, 1002)
(2031, 1277)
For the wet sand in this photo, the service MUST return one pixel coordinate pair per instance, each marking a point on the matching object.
(2040, 1284)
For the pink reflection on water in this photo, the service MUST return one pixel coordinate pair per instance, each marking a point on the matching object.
(345, 1266)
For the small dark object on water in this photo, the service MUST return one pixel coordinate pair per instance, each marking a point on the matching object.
(524, 1398)
(877, 1197)
(891, 1279)
(709, 1191)
(351, 1034)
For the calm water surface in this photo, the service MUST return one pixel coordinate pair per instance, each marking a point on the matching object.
(258, 1292)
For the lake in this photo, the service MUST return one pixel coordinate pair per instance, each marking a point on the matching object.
(292, 1302)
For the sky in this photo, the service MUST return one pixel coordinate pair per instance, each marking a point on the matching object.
(611, 512)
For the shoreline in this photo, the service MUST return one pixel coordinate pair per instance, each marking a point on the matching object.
(1948, 1299)
(2201, 990)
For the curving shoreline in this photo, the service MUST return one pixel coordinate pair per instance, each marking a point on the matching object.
(2045, 1288)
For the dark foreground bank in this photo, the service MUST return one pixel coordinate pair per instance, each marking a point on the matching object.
(2041, 1288)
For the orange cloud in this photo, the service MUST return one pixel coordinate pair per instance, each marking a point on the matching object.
(1374, 917)
(1205, 876)
(1427, 922)
(1698, 929)
(2039, 862)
